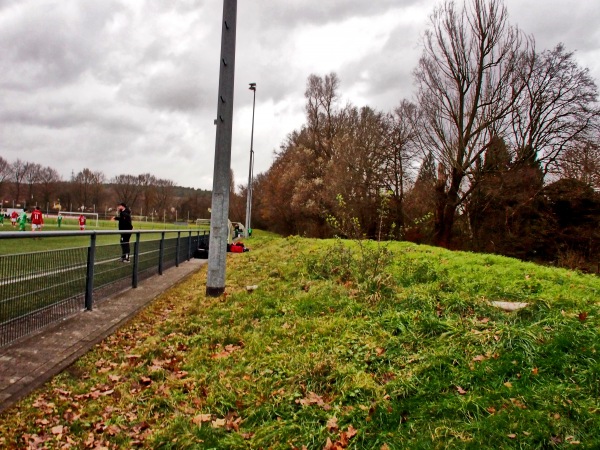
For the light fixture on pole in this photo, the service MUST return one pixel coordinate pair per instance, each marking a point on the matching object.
(250, 168)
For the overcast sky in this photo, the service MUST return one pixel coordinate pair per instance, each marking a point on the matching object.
(130, 86)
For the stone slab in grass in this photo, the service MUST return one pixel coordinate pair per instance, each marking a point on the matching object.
(509, 306)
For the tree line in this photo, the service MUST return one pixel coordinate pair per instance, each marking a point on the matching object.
(27, 184)
(499, 151)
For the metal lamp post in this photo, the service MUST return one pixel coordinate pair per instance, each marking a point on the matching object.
(215, 277)
(251, 167)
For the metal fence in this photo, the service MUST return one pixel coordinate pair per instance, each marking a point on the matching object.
(42, 287)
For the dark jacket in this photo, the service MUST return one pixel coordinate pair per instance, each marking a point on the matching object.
(124, 219)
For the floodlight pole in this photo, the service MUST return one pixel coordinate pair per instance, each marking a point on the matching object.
(251, 166)
(219, 223)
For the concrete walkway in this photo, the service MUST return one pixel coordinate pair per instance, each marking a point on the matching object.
(31, 361)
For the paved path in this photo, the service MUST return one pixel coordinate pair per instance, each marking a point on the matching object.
(28, 363)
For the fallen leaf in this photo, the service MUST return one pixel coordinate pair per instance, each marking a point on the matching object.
(113, 430)
(518, 403)
(332, 424)
(512, 436)
(479, 358)
(460, 390)
(535, 371)
(311, 399)
(58, 429)
(583, 316)
(351, 432)
(198, 420)
(508, 384)
(218, 423)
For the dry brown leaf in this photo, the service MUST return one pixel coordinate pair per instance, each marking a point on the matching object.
(332, 424)
(199, 419)
(311, 399)
(218, 423)
(460, 390)
(351, 432)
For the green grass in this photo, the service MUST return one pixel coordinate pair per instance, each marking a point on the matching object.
(335, 345)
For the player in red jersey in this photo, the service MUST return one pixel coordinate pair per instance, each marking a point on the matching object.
(13, 218)
(82, 221)
(37, 219)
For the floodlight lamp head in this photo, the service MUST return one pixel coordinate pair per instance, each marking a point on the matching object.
(252, 86)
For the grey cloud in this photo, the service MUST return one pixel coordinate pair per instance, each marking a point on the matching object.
(48, 46)
(176, 92)
(302, 12)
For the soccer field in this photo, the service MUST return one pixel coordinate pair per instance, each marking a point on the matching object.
(21, 245)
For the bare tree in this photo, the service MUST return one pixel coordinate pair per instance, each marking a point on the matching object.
(556, 110)
(127, 189)
(148, 191)
(4, 173)
(165, 194)
(88, 188)
(321, 95)
(18, 173)
(48, 181)
(466, 82)
(582, 163)
(400, 155)
(32, 177)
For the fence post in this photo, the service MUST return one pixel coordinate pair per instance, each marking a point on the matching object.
(136, 254)
(161, 253)
(89, 279)
(189, 245)
(177, 249)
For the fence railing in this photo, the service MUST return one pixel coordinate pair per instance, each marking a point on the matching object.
(42, 287)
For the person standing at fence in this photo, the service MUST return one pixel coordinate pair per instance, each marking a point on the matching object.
(59, 219)
(82, 221)
(37, 219)
(124, 219)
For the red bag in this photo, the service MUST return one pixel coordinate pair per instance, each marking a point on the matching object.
(237, 247)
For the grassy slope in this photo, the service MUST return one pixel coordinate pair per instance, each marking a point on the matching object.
(322, 357)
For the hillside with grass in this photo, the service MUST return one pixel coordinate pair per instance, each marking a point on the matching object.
(339, 344)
